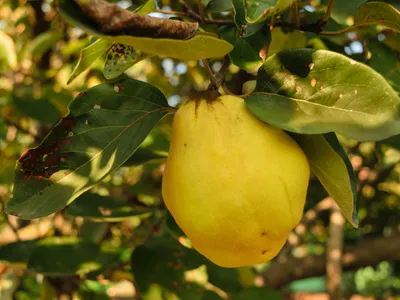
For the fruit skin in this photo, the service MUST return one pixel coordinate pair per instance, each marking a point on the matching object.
(235, 185)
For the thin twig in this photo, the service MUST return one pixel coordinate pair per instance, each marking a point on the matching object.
(201, 10)
(328, 13)
(213, 82)
(272, 24)
(308, 28)
(295, 9)
(347, 29)
(195, 16)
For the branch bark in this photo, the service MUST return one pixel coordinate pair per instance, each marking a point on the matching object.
(367, 253)
(112, 19)
(334, 253)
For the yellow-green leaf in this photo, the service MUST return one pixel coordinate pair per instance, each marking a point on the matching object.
(8, 55)
(88, 56)
(330, 164)
(201, 46)
(282, 41)
(380, 13)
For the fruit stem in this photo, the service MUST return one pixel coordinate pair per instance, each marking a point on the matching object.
(213, 82)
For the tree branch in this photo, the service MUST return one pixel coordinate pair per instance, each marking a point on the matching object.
(366, 253)
(334, 253)
(112, 19)
(328, 13)
(195, 16)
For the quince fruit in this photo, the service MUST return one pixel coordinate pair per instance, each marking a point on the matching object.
(235, 185)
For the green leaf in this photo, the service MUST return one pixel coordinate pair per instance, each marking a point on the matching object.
(172, 227)
(330, 164)
(106, 209)
(18, 253)
(246, 51)
(159, 266)
(39, 109)
(393, 141)
(88, 56)
(316, 91)
(284, 41)
(258, 293)
(201, 46)
(120, 58)
(385, 61)
(144, 155)
(344, 10)
(92, 231)
(259, 10)
(246, 29)
(43, 43)
(209, 295)
(91, 289)
(105, 126)
(215, 6)
(8, 54)
(147, 7)
(64, 256)
(380, 13)
(226, 279)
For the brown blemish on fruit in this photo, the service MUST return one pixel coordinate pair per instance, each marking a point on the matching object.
(209, 96)
(264, 251)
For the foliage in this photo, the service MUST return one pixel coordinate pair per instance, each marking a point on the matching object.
(95, 111)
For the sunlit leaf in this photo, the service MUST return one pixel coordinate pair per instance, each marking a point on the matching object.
(259, 10)
(8, 55)
(308, 91)
(378, 13)
(147, 7)
(106, 209)
(201, 46)
(283, 41)
(330, 164)
(106, 125)
(88, 56)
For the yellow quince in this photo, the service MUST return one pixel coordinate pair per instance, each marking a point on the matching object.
(235, 185)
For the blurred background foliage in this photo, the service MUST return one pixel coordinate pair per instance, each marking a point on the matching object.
(84, 252)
